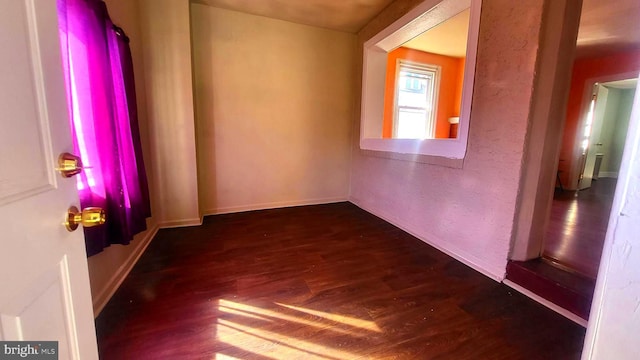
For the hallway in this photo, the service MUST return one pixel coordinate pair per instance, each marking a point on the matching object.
(578, 225)
(565, 274)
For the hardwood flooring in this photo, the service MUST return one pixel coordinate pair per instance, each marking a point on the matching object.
(318, 282)
(577, 227)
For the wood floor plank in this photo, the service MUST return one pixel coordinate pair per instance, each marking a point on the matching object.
(318, 282)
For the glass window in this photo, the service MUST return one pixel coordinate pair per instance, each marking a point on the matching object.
(416, 94)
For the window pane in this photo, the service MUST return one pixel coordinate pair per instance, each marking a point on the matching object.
(411, 124)
(415, 89)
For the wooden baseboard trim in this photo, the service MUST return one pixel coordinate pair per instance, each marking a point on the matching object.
(180, 223)
(608, 174)
(103, 297)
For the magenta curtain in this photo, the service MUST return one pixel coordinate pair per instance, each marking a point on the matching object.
(102, 106)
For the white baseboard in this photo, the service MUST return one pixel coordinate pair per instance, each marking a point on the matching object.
(273, 205)
(180, 223)
(456, 253)
(608, 174)
(103, 297)
(560, 310)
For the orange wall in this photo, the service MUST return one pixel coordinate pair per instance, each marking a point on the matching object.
(458, 98)
(449, 96)
(583, 71)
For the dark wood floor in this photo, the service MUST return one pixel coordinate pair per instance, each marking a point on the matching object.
(577, 227)
(318, 282)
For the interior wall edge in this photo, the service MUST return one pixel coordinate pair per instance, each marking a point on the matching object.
(559, 31)
(166, 53)
(139, 246)
(496, 273)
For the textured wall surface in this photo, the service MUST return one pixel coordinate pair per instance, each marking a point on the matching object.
(615, 313)
(274, 105)
(466, 212)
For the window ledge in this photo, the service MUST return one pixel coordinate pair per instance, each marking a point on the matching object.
(418, 158)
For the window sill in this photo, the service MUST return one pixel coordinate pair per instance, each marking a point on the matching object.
(417, 158)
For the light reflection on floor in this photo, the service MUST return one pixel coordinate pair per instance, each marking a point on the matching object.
(577, 227)
(568, 239)
(254, 330)
(340, 319)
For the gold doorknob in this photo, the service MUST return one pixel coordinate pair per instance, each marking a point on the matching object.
(91, 216)
(69, 165)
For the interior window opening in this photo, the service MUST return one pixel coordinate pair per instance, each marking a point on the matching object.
(425, 62)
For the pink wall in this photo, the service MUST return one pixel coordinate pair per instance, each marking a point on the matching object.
(467, 212)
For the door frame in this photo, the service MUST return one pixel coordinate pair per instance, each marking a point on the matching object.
(532, 218)
(587, 92)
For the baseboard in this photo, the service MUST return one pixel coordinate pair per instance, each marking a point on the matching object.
(180, 223)
(456, 253)
(608, 174)
(273, 205)
(560, 310)
(103, 297)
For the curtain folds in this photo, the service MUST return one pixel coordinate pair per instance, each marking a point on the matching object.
(102, 106)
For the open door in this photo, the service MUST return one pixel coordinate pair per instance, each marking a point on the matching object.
(592, 131)
(45, 292)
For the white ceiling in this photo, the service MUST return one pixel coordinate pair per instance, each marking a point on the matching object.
(449, 38)
(605, 25)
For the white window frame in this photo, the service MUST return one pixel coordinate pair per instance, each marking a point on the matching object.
(424, 16)
(430, 121)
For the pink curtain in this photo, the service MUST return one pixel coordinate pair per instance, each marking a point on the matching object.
(102, 106)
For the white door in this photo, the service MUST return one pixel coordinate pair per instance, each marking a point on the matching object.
(44, 282)
(595, 126)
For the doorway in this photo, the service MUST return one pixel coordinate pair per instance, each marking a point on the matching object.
(562, 275)
(578, 221)
(553, 154)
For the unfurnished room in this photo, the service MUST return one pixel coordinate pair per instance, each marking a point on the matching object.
(320, 179)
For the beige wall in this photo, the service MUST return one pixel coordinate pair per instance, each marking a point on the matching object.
(167, 65)
(108, 268)
(274, 109)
